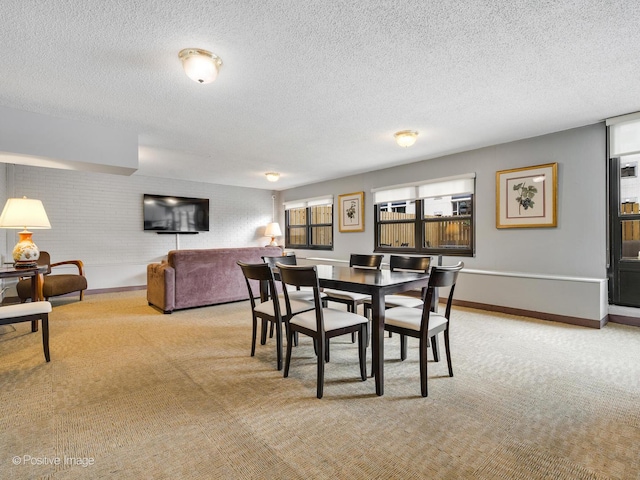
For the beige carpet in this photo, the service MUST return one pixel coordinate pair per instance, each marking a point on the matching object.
(133, 393)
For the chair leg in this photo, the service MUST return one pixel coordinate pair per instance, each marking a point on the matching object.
(287, 360)
(271, 330)
(436, 348)
(278, 344)
(254, 335)
(448, 352)
(263, 332)
(320, 379)
(326, 350)
(81, 295)
(353, 307)
(403, 347)
(423, 366)
(45, 336)
(363, 338)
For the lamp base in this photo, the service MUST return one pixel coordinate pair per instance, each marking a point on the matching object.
(273, 242)
(25, 253)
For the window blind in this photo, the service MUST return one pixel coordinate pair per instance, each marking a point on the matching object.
(455, 185)
(309, 202)
(624, 135)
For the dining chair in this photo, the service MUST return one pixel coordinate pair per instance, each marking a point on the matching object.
(260, 276)
(321, 323)
(399, 263)
(425, 324)
(351, 299)
(299, 293)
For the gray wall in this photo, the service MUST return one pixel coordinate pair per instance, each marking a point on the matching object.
(97, 217)
(573, 252)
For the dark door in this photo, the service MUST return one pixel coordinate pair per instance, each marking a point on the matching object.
(624, 228)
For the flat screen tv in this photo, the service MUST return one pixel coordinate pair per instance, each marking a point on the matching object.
(170, 214)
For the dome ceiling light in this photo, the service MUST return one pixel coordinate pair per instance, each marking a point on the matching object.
(406, 138)
(200, 65)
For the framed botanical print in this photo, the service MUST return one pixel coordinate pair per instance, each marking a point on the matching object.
(527, 197)
(351, 212)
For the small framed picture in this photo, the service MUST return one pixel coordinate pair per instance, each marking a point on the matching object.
(527, 197)
(351, 212)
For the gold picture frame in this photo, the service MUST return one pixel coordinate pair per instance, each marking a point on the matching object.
(351, 212)
(527, 197)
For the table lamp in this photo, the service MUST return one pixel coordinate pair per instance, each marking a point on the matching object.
(24, 213)
(273, 231)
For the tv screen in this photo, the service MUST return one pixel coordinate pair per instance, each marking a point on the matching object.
(169, 214)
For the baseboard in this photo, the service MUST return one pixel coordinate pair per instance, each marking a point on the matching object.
(582, 322)
(14, 299)
(632, 321)
(114, 289)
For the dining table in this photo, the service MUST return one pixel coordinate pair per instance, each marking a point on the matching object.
(378, 284)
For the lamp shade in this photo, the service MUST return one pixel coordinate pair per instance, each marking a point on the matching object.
(24, 213)
(273, 230)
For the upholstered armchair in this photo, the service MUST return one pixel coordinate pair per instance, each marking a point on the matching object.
(55, 284)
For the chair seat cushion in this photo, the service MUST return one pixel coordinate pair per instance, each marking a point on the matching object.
(24, 309)
(410, 318)
(400, 301)
(334, 319)
(54, 285)
(296, 307)
(356, 297)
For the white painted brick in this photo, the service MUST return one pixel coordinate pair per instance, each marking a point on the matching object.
(97, 217)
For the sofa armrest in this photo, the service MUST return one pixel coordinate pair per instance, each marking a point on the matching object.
(161, 286)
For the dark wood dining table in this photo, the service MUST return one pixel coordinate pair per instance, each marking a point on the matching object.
(378, 284)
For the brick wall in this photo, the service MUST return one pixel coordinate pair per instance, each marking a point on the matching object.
(97, 218)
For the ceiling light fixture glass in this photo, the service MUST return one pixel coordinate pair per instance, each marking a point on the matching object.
(200, 65)
(406, 138)
(272, 176)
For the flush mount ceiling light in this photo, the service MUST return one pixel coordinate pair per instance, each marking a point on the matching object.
(406, 138)
(272, 176)
(200, 65)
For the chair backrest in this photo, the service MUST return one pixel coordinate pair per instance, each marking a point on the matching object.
(261, 273)
(399, 263)
(302, 276)
(440, 276)
(365, 261)
(285, 260)
(45, 259)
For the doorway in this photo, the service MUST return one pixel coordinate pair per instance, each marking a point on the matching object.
(624, 228)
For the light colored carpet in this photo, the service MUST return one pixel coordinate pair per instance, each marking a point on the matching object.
(146, 395)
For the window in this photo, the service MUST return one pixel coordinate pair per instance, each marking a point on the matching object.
(309, 223)
(434, 217)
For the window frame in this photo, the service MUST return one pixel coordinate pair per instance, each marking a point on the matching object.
(308, 226)
(421, 221)
(419, 226)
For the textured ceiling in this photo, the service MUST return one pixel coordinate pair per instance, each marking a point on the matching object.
(315, 89)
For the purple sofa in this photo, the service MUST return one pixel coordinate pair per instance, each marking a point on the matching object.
(195, 278)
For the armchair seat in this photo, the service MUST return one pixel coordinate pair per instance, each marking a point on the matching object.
(55, 284)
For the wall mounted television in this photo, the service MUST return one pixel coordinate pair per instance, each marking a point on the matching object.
(171, 214)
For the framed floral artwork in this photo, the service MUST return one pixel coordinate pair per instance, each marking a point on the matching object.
(527, 197)
(351, 212)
